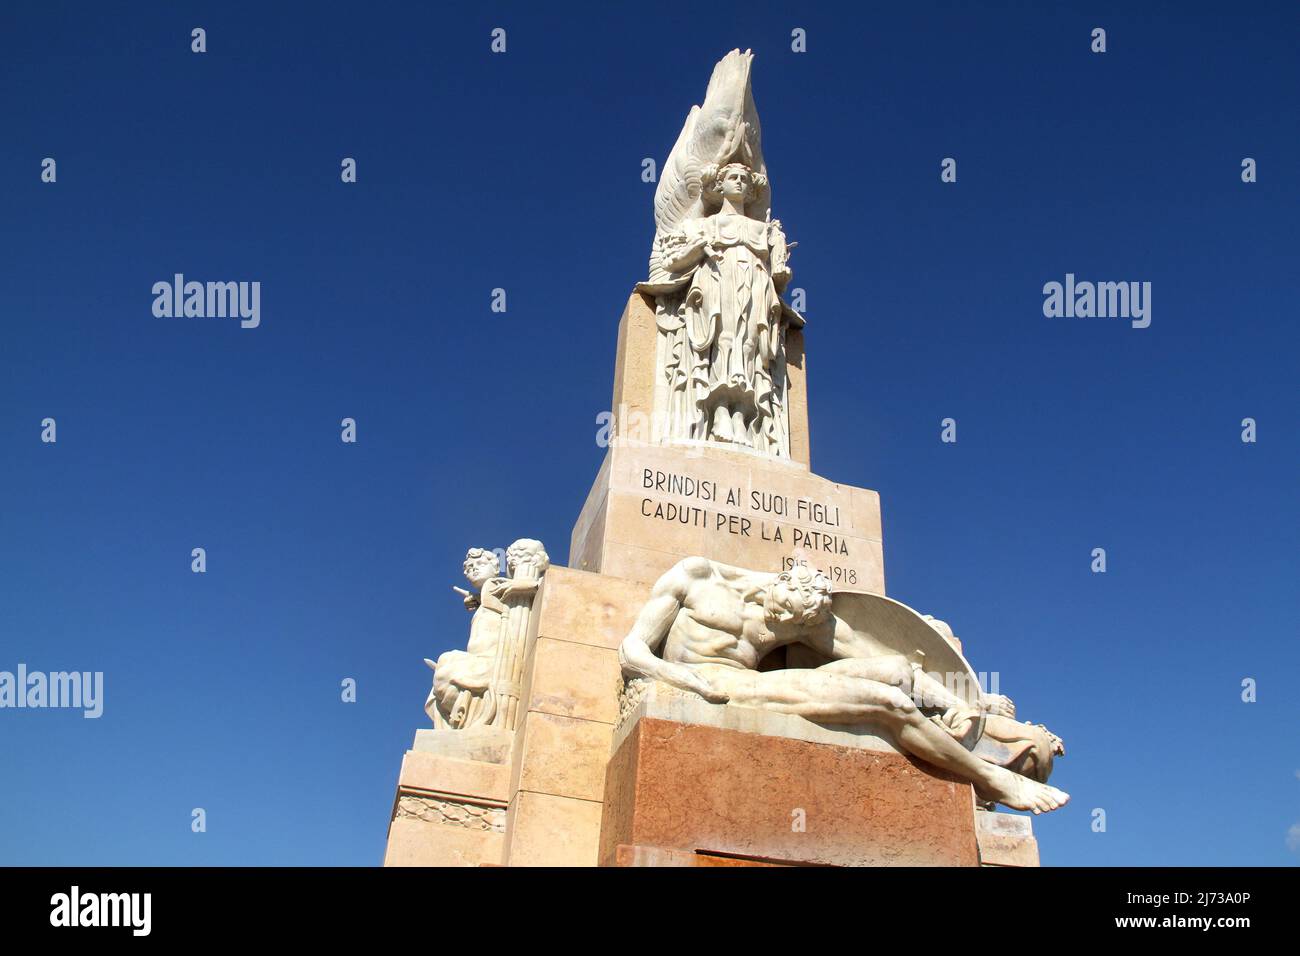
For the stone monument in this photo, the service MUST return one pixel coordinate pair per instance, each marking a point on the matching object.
(717, 679)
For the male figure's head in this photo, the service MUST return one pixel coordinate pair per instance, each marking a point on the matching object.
(481, 566)
(801, 596)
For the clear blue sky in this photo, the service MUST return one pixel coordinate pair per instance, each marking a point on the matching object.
(522, 171)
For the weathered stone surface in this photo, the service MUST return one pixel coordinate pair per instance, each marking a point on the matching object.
(587, 608)
(484, 744)
(448, 812)
(749, 794)
(1006, 839)
(432, 773)
(547, 830)
(571, 679)
(413, 842)
(563, 756)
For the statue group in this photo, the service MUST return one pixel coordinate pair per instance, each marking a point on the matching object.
(779, 641)
(718, 267)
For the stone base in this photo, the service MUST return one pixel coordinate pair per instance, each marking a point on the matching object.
(1006, 839)
(448, 812)
(704, 790)
(484, 744)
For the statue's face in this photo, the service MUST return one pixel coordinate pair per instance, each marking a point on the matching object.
(480, 569)
(734, 183)
(786, 601)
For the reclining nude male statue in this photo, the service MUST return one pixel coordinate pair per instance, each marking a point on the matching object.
(707, 626)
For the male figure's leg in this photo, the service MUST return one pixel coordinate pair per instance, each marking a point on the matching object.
(836, 698)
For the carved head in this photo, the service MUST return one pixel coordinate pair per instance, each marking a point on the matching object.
(801, 595)
(735, 181)
(527, 558)
(481, 566)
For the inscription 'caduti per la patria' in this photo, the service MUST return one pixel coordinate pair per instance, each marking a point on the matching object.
(759, 502)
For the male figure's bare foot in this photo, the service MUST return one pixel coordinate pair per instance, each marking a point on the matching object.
(1021, 793)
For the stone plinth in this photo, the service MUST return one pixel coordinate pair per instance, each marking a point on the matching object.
(730, 795)
(1006, 839)
(448, 812)
(652, 505)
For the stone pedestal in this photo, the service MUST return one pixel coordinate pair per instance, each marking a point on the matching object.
(448, 812)
(720, 785)
(1006, 839)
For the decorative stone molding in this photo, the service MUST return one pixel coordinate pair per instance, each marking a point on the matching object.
(448, 812)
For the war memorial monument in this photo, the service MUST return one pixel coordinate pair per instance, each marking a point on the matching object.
(717, 679)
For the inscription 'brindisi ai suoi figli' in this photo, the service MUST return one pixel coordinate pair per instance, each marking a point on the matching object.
(763, 503)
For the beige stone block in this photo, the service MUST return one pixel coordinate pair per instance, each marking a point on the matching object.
(587, 608)
(416, 843)
(547, 830)
(562, 756)
(1005, 839)
(568, 679)
(434, 773)
(634, 362)
(653, 505)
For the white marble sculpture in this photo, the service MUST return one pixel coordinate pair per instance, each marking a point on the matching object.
(868, 659)
(718, 267)
(480, 686)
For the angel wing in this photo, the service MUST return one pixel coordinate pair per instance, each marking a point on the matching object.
(723, 129)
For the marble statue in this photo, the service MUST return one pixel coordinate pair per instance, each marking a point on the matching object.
(707, 626)
(480, 686)
(718, 268)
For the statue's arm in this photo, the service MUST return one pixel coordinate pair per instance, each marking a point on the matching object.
(637, 653)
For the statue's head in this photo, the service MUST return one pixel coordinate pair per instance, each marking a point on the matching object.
(734, 181)
(481, 566)
(800, 595)
(527, 554)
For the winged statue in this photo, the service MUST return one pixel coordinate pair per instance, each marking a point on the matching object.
(718, 269)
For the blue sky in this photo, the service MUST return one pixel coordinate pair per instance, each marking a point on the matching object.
(522, 171)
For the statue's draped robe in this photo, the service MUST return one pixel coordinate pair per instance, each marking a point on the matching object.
(722, 333)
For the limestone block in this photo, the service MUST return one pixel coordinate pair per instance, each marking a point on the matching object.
(483, 744)
(562, 756)
(547, 830)
(1006, 839)
(653, 505)
(570, 679)
(432, 773)
(413, 842)
(587, 608)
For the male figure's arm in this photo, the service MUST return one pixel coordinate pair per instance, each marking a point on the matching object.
(637, 654)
